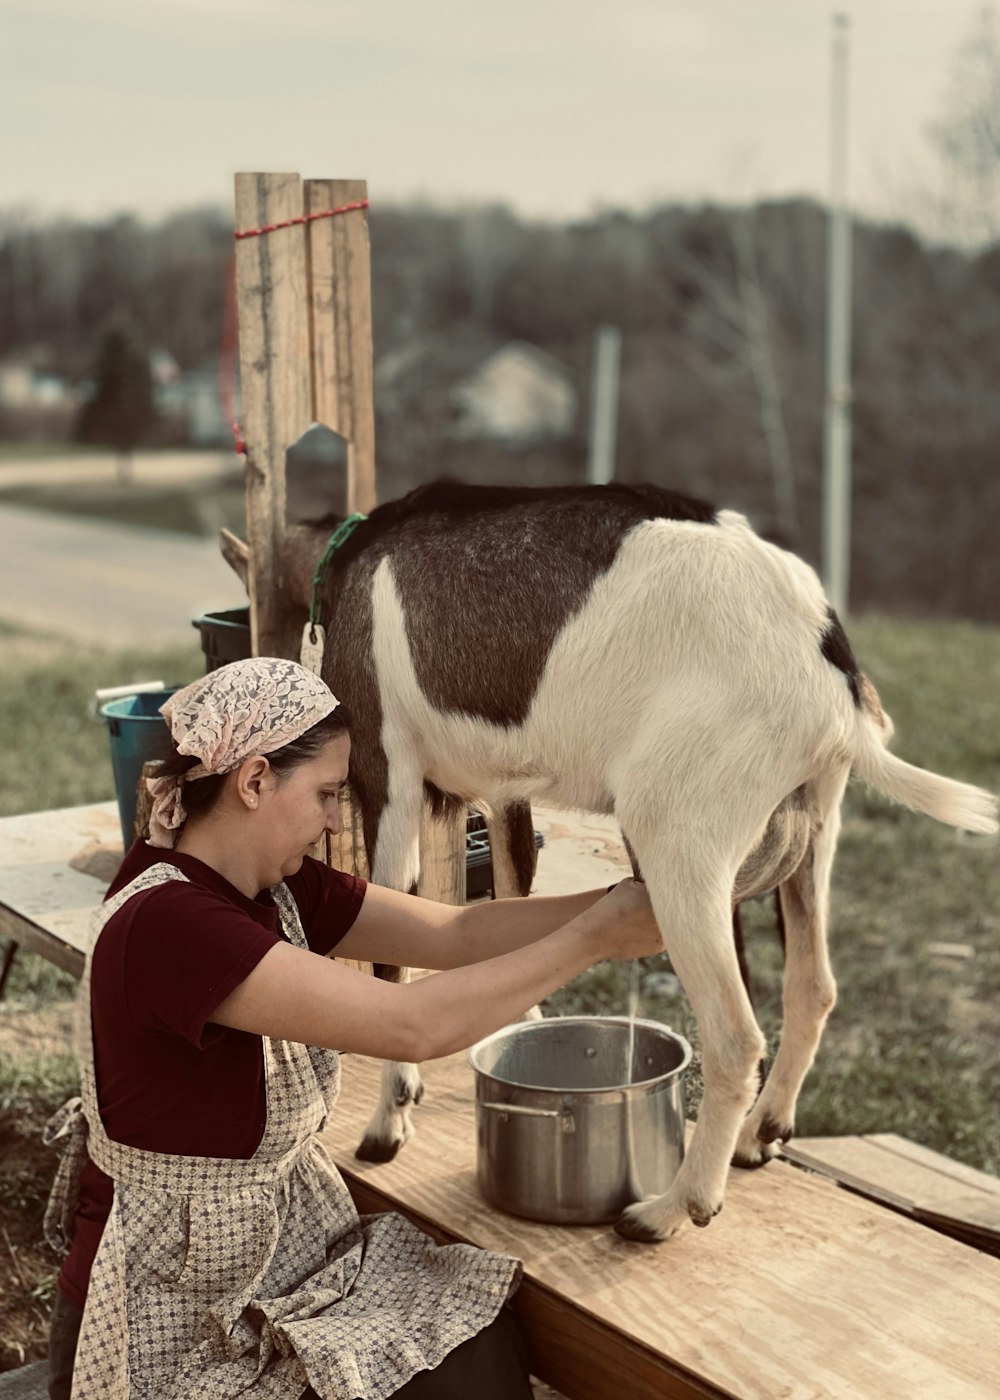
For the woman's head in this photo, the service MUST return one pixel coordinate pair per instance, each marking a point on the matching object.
(261, 708)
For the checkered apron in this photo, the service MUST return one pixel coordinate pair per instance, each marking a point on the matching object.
(217, 1278)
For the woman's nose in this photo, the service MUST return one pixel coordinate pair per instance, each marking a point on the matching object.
(333, 821)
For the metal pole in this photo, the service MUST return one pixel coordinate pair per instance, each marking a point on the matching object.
(837, 418)
(604, 405)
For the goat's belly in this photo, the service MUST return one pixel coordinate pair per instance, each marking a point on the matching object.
(478, 761)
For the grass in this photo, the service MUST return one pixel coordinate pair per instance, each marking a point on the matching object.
(57, 746)
(913, 1046)
(29, 1092)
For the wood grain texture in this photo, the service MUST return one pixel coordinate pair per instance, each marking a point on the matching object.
(910, 1178)
(341, 312)
(442, 857)
(273, 311)
(798, 1289)
(340, 315)
(53, 874)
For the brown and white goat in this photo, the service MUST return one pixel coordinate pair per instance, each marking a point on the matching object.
(623, 650)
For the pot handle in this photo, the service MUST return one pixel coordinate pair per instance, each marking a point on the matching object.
(567, 1123)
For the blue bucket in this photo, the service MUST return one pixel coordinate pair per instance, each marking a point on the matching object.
(138, 734)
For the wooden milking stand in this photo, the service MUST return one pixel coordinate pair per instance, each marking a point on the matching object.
(305, 343)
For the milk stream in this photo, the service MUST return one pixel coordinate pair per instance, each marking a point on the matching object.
(634, 1183)
(635, 974)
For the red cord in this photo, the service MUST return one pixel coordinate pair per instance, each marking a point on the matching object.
(227, 359)
(302, 219)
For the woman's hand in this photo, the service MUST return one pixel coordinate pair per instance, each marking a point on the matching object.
(626, 925)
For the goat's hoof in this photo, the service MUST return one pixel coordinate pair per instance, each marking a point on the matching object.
(372, 1149)
(637, 1223)
(771, 1130)
(760, 1144)
(406, 1091)
(754, 1163)
(702, 1215)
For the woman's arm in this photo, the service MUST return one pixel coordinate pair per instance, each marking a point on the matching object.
(406, 931)
(294, 995)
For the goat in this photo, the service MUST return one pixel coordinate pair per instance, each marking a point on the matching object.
(627, 650)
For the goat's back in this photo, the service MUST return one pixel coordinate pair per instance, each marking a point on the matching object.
(567, 608)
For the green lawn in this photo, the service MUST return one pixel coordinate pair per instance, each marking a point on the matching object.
(913, 1045)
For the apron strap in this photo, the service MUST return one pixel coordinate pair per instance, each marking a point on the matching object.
(68, 1125)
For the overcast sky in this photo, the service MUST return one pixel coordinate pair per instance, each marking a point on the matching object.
(554, 107)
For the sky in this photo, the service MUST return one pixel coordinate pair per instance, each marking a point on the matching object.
(556, 108)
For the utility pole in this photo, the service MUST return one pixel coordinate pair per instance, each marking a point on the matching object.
(837, 417)
(604, 405)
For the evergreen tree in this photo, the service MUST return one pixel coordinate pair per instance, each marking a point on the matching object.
(120, 412)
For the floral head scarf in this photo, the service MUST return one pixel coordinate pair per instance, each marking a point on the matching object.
(241, 710)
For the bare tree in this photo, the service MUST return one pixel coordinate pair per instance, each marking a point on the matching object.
(967, 135)
(737, 323)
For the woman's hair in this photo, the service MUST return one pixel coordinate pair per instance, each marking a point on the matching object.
(201, 796)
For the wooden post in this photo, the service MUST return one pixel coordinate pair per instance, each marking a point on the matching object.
(442, 857)
(305, 329)
(341, 317)
(271, 291)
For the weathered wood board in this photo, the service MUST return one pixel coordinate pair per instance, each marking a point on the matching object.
(54, 870)
(949, 1196)
(797, 1290)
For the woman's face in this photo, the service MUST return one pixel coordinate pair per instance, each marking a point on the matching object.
(302, 806)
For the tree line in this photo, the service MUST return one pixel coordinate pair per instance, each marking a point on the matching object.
(723, 319)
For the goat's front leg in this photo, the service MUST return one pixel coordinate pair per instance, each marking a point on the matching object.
(395, 863)
(392, 1123)
(692, 907)
(514, 857)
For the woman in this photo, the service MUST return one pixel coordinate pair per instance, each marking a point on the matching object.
(213, 1249)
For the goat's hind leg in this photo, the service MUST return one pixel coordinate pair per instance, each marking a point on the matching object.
(690, 892)
(809, 987)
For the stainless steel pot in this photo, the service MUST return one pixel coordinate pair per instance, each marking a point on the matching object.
(579, 1116)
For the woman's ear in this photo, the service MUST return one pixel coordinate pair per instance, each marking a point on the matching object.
(251, 780)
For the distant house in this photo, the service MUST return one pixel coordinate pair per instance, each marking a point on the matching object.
(518, 396)
(22, 386)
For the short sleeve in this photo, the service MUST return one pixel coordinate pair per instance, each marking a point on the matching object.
(328, 902)
(178, 954)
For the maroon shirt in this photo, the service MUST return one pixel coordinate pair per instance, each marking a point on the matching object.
(168, 1080)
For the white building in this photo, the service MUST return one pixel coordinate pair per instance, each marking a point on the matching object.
(518, 396)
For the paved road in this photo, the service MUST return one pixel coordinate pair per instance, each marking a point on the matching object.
(105, 585)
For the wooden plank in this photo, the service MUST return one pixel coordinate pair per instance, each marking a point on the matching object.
(272, 305)
(54, 870)
(909, 1178)
(936, 1162)
(340, 300)
(797, 1289)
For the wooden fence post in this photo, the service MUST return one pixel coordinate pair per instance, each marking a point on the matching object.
(271, 292)
(305, 333)
(341, 319)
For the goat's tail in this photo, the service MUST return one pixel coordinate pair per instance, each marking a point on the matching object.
(957, 804)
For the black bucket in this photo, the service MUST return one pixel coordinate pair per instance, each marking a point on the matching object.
(225, 636)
